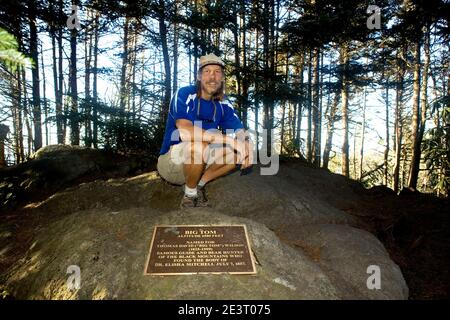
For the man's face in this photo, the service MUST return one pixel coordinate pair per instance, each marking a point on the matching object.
(211, 78)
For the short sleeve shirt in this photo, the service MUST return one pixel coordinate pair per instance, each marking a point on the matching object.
(210, 114)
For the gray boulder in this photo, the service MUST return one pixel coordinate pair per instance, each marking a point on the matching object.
(55, 167)
(305, 246)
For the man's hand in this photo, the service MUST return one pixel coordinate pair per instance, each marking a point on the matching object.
(250, 158)
(245, 152)
(248, 155)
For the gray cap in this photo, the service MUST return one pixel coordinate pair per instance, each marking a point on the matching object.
(210, 59)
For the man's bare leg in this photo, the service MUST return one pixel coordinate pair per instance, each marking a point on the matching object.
(216, 170)
(220, 168)
(192, 174)
(193, 169)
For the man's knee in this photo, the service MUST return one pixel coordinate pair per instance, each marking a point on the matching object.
(224, 155)
(195, 152)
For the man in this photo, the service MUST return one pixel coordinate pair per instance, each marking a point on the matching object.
(194, 152)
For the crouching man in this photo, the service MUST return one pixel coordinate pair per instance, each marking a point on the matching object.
(194, 151)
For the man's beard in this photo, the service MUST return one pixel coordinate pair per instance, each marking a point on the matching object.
(211, 91)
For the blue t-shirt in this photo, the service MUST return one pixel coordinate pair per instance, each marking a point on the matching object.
(212, 114)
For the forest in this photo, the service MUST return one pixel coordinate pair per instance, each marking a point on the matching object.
(361, 88)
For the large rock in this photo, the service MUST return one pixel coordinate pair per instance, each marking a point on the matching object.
(347, 255)
(58, 166)
(303, 224)
(307, 247)
(277, 201)
(111, 248)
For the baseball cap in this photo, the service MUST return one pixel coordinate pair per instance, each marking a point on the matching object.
(210, 59)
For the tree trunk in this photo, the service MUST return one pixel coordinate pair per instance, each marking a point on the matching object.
(282, 138)
(447, 142)
(175, 55)
(4, 130)
(74, 125)
(291, 123)
(363, 131)
(294, 111)
(415, 159)
(268, 59)
(321, 89)
(386, 151)
(94, 85)
(257, 90)
(45, 99)
(123, 74)
(354, 153)
(60, 118)
(398, 122)
(35, 77)
(56, 85)
(196, 55)
(344, 98)
(283, 113)
(87, 84)
(245, 83)
(309, 128)
(423, 91)
(315, 148)
(17, 118)
(26, 114)
(134, 71)
(300, 101)
(167, 89)
(237, 60)
(330, 130)
(142, 86)
(131, 63)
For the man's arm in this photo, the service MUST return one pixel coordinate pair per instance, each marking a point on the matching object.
(189, 132)
(230, 120)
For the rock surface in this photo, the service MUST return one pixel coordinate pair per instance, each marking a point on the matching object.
(59, 166)
(307, 248)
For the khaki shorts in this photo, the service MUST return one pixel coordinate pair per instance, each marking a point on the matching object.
(170, 165)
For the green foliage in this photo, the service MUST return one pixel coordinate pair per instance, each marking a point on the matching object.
(128, 137)
(374, 176)
(9, 54)
(291, 148)
(436, 150)
(119, 131)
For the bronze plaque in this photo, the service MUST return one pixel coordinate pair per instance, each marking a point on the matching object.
(194, 249)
